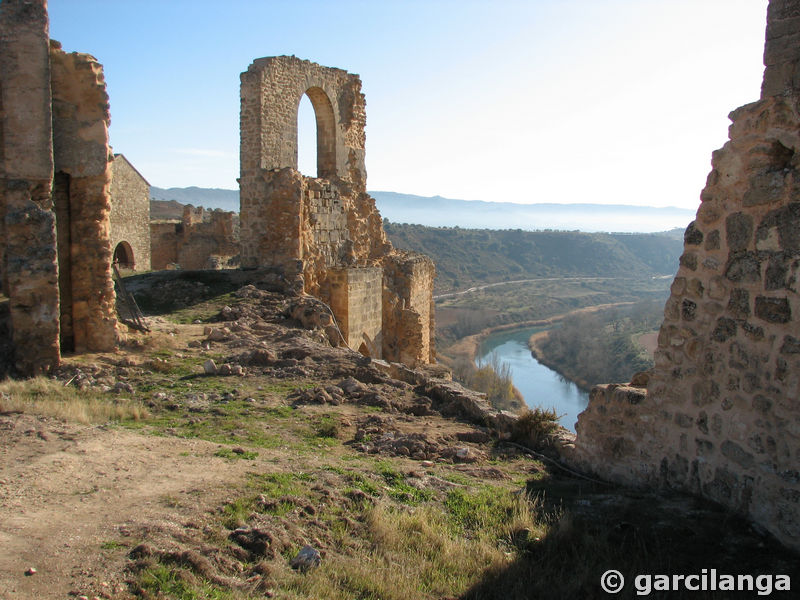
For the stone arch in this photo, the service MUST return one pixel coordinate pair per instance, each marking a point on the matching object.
(123, 256)
(326, 131)
(271, 91)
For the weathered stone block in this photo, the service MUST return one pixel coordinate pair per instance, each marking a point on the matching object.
(688, 260)
(744, 267)
(738, 231)
(712, 240)
(737, 454)
(724, 330)
(773, 310)
(739, 303)
(790, 345)
(692, 236)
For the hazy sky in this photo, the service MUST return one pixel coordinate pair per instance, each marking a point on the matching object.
(610, 101)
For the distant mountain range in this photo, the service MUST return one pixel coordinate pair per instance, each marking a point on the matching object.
(206, 197)
(437, 211)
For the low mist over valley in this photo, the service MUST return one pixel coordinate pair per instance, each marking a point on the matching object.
(436, 211)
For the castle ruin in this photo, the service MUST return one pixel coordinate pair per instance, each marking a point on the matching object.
(201, 239)
(55, 175)
(720, 415)
(325, 233)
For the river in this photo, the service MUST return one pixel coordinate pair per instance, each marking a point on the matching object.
(539, 385)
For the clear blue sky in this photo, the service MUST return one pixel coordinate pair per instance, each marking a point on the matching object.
(610, 101)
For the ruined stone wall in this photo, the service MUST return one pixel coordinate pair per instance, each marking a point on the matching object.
(201, 240)
(129, 219)
(164, 244)
(782, 72)
(408, 308)
(30, 270)
(81, 151)
(356, 299)
(54, 193)
(286, 217)
(271, 91)
(314, 227)
(721, 413)
(3, 283)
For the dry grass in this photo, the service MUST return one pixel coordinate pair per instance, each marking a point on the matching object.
(48, 397)
(534, 426)
(425, 552)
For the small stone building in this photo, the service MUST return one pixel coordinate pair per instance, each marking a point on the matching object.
(720, 414)
(129, 219)
(325, 232)
(55, 175)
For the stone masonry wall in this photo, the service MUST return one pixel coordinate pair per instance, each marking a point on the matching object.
(81, 151)
(163, 244)
(53, 193)
(782, 73)
(3, 283)
(129, 220)
(314, 227)
(209, 239)
(408, 312)
(201, 240)
(26, 176)
(356, 299)
(721, 413)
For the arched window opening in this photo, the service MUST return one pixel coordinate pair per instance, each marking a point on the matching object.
(306, 138)
(123, 256)
(316, 134)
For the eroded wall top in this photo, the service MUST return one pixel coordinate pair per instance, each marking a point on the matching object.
(782, 49)
(270, 96)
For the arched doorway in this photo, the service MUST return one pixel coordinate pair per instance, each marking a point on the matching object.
(325, 125)
(123, 256)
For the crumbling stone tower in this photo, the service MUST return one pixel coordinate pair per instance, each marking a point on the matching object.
(720, 416)
(54, 184)
(325, 232)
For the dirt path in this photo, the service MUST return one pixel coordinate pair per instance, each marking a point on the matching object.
(72, 499)
(477, 288)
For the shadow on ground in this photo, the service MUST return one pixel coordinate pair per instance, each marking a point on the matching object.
(596, 528)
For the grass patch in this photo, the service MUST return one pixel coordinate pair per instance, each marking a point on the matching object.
(327, 426)
(362, 483)
(236, 454)
(484, 510)
(50, 398)
(398, 489)
(270, 485)
(276, 485)
(162, 581)
(411, 554)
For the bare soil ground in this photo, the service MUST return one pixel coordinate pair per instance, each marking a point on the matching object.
(72, 497)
